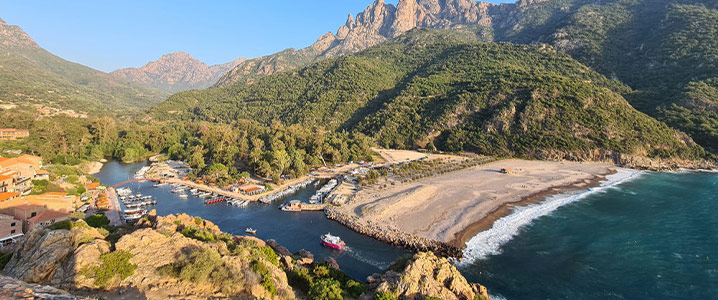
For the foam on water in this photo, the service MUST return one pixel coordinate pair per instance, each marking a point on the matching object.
(489, 242)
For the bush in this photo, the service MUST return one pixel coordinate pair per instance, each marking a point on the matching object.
(384, 296)
(267, 253)
(199, 266)
(97, 220)
(325, 289)
(66, 224)
(300, 279)
(113, 263)
(354, 289)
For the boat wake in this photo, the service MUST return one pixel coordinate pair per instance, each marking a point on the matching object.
(489, 242)
(358, 256)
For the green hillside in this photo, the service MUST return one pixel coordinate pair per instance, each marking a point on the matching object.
(658, 47)
(30, 74)
(428, 86)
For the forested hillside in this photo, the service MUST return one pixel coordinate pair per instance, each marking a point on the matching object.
(30, 74)
(431, 87)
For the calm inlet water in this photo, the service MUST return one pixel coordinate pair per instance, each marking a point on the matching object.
(296, 231)
(654, 236)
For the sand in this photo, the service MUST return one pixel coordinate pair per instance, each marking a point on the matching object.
(453, 207)
(92, 167)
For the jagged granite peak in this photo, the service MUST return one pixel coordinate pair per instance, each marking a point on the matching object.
(176, 72)
(376, 24)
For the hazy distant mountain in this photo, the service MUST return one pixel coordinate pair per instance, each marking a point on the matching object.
(30, 74)
(177, 72)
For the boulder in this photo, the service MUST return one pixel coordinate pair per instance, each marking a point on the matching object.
(281, 250)
(304, 257)
(425, 275)
(39, 256)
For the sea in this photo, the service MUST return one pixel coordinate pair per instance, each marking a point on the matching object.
(640, 235)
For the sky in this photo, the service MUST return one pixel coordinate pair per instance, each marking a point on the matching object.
(109, 35)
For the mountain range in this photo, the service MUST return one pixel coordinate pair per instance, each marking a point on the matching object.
(30, 74)
(661, 49)
(176, 72)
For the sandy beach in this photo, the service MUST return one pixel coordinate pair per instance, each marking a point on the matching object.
(453, 207)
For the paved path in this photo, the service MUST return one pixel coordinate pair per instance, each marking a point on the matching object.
(113, 213)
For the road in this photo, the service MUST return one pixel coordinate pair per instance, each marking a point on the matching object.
(114, 211)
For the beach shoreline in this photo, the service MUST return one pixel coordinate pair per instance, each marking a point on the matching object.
(450, 209)
(505, 209)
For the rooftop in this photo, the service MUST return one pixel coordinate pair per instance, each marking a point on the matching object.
(47, 216)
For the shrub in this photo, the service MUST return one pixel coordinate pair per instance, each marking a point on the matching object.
(384, 296)
(325, 289)
(97, 220)
(300, 279)
(66, 224)
(199, 265)
(113, 263)
(267, 253)
(354, 289)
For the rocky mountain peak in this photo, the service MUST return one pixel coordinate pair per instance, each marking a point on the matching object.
(176, 72)
(13, 36)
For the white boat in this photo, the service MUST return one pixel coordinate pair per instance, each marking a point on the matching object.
(141, 172)
(205, 195)
(250, 230)
(183, 196)
(124, 191)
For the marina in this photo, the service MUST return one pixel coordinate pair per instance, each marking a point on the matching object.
(295, 231)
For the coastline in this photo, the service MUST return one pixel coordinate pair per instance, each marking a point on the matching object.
(505, 209)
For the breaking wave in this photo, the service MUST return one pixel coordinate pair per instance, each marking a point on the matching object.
(490, 241)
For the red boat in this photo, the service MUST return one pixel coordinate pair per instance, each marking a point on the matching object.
(213, 201)
(332, 241)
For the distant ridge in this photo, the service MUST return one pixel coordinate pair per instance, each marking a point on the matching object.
(177, 72)
(30, 74)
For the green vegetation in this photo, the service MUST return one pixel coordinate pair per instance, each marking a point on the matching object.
(384, 296)
(113, 264)
(429, 88)
(97, 220)
(324, 282)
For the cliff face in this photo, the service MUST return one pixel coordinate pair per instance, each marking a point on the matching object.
(11, 288)
(176, 72)
(425, 275)
(376, 24)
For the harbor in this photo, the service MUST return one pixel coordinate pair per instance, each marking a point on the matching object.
(362, 256)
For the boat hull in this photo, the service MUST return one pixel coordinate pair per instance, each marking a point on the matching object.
(333, 246)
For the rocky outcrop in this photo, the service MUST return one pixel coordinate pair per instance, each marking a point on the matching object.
(176, 72)
(377, 23)
(11, 288)
(425, 275)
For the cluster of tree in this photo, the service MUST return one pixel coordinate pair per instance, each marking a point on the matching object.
(218, 151)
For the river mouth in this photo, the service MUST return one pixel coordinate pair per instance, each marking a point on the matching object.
(294, 230)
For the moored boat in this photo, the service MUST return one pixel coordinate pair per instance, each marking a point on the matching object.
(250, 230)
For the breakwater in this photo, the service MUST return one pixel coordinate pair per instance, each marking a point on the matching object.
(394, 236)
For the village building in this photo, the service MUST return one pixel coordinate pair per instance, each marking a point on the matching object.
(11, 134)
(250, 189)
(33, 215)
(10, 229)
(53, 201)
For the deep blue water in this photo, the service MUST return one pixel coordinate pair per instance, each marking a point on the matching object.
(654, 237)
(362, 257)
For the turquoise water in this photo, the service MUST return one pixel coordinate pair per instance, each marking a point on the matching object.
(653, 237)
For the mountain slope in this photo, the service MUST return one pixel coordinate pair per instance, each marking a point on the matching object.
(431, 86)
(176, 72)
(32, 74)
(378, 23)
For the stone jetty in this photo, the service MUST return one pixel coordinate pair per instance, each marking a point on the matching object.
(394, 236)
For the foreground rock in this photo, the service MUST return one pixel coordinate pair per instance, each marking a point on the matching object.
(424, 275)
(11, 288)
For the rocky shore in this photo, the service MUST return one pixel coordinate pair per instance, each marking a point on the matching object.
(394, 236)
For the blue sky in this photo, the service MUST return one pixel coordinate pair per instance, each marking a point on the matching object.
(109, 35)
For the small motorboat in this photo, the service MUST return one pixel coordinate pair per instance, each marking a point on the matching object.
(183, 196)
(333, 241)
(251, 230)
